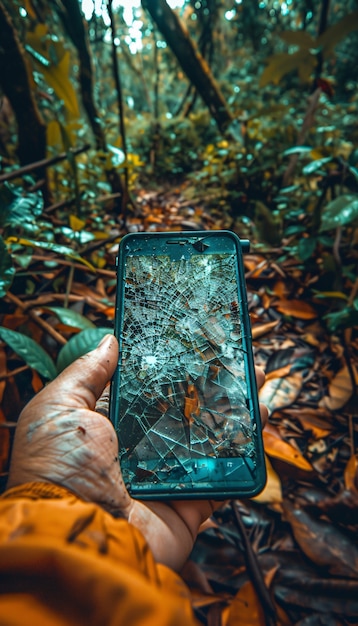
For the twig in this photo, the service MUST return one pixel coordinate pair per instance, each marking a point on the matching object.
(38, 320)
(59, 205)
(38, 165)
(14, 372)
(254, 571)
(69, 285)
(337, 241)
(77, 266)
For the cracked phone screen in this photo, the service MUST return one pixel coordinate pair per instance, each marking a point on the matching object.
(183, 416)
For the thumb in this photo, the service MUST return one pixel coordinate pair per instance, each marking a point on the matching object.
(82, 382)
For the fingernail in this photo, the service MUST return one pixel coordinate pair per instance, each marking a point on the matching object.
(104, 340)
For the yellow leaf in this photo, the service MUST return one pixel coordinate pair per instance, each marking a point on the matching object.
(351, 474)
(57, 76)
(245, 609)
(54, 62)
(317, 154)
(50, 247)
(272, 492)
(299, 38)
(98, 261)
(334, 34)
(53, 135)
(276, 447)
(100, 234)
(76, 223)
(282, 63)
(29, 9)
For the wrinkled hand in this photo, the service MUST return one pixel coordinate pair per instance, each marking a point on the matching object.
(61, 439)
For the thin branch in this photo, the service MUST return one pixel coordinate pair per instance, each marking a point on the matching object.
(254, 570)
(39, 165)
(38, 320)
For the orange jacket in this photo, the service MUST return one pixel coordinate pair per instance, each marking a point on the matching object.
(65, 562)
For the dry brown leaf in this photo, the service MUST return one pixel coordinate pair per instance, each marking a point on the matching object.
(296, 308)
(280, 289)
(254, 262)
(272, 492)
(245, 608)
(281, 392)
(281, 372)
(276, 447)
(2, 389)
(314, 420)
(259, 330)
(340, 390)
(322, 542)
(196, 578)
(36, 382)
(351, 474)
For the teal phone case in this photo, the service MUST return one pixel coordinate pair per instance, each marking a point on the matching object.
(184, 398)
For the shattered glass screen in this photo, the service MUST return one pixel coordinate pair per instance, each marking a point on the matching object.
(183, 417)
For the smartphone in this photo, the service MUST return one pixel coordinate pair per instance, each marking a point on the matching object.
(184, 398)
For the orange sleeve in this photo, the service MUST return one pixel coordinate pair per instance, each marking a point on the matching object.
(65, 562)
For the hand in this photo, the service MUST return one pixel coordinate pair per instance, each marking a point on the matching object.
(61, 439)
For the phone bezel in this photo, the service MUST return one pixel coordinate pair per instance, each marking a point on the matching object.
(175, 244)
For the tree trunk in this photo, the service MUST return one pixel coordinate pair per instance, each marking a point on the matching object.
(15, 82)
(190, 59)
(74, 24)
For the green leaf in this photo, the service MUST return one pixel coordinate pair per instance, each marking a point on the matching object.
(315, 165)
(306, 247)
(17, 209)
(79, 345)
(7, 270)
(71, 318)
(294, 229)
(353, 171)
(118, 155)
(339, 320)
(82, 236)
(342, 210)
(30, 352)
(297, 150)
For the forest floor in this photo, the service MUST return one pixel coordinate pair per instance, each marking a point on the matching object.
(290, 556)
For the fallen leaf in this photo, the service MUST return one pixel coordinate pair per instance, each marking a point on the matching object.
(245, 608)
(322, 542)
(281, 392)
(272, 492)
(351, 474)
(36, 382)
(282, 372)
(259, 330)
(313, 420)
(296, 308)
(276, 447)
(340, 390)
